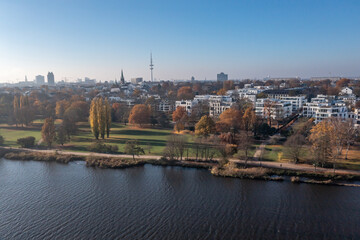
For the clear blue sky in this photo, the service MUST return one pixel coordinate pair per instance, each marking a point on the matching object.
(246, 39)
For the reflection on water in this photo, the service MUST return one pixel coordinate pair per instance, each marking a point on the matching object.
(49, 200)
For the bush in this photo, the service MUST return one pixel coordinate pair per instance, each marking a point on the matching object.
(1, 140)
(103, 148)
(26, 142)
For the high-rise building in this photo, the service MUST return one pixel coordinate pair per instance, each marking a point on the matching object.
(39, 79)
(222, 77)
(50, 78)
(122, 79)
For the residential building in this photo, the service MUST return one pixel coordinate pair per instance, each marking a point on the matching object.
(222, 77)
(187, 104)
(39, 79)
(323, 107)
(50, 78)
(136, 80)
(218, 107)
(297, 102)
(165, 106)
(346, 91)
(273, 108)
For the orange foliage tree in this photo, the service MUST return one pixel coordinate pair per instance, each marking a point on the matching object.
(185, 93)
(140, 114)
(179, 116)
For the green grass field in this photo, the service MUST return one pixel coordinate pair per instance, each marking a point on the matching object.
(152, 140)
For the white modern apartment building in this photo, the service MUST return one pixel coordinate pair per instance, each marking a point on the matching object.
(187, 104)
(165, 106)
(323, 107)
(218, 107)
(273, 108)
(297, 102)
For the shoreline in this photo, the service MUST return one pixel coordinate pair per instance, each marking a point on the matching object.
(231, 170)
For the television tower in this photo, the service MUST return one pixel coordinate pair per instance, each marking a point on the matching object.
(151, 67)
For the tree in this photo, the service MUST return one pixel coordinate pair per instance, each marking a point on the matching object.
(180, 117)
(69, 126)
(140, 114)
(205, 126)
(120, 112)
(107, 117)
(245, 143)
(230, 120)
(185, 93)
(294, 147)
(175, 147)
(48, 131)
(16, 107)
(60, 108)
(133, 148)
(320, 137)
(100, 117)
(93, 118)
(61, 136)
(249, 119)
(221, 92)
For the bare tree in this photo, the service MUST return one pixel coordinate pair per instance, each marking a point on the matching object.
(245, 141)
(294, 147)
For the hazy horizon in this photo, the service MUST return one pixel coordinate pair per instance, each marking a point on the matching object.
(245, 39)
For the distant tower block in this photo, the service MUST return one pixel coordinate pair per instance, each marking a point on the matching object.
(122, 79)
(151, 67)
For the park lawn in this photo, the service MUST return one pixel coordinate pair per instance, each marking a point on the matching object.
(272, 152)
(12, 133)
(152, 140)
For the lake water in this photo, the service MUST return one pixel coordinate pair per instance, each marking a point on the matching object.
(57, 201)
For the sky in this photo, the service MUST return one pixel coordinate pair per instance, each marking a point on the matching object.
(243, 38)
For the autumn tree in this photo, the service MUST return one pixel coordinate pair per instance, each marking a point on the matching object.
(61, 136)
(205, 126)
(228, 85)
(185, 93)
(48, 131)
(249, 120)
(180, 117)
(294, 146)
(221, 92)
(140, 114)
(120, 112)
(229, 121)
(60, 108)
(100, 117)
(93, 118)
(320, 137)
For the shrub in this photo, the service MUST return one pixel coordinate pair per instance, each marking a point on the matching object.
(26, 142)
(1, 140)
(103, 148)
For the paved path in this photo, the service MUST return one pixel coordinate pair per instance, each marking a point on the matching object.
(278, 165)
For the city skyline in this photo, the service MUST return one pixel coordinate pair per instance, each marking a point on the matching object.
(242, 39)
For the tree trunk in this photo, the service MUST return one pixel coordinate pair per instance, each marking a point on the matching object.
(347, 150)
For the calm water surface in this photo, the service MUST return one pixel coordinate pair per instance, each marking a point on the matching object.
(55, 201)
